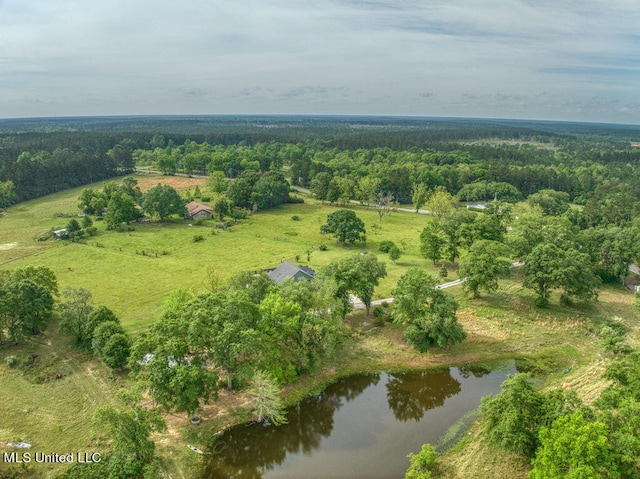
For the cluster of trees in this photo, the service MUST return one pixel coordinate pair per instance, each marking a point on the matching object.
(559, 248)
(252, 189)
(247, 325)
(29, 170)
(116, 203)
(27, 297)
(564, 437)
(95, 329)
(430, 315)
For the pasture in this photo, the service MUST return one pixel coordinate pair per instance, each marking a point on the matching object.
(133, 272)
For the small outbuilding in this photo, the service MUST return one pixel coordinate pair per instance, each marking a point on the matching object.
(196, 211)
(289, 270)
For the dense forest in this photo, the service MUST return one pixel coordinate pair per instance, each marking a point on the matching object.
(330, 155)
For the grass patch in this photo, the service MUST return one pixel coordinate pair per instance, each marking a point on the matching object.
(133, 272)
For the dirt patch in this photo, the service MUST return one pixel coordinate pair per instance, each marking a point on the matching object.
(7, 246)
(178, 182)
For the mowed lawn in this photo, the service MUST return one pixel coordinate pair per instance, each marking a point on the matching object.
(133, 272)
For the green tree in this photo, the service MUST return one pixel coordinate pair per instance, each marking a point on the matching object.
(74, 311)
(265, 396)
(549, 266)
(440, 203)
(217, 182)
(345, 226)
(515, 415)
(412, 292)
(279, 325)
(229, 331)
(25, 308)
(430, 315)
(452, 227)
(239, 192)
(552, 202)
(574, 448)
(255, 285)
(367, 189)
(420, 195)
(162, 201)
(8, 194)
(394, 253)
(172, 356)
(103, 333)
(222, 206)
(131, 426)
(120, 209)
(422, 464)
(320, 328)
(115, 352)
(358, 275)
(92, 201)
(273, 189)
(432, 241)
(320, 185)
(483, 265)
(40, 275)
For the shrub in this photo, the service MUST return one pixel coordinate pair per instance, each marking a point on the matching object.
(385, 246)
(239, 213)
(11, 361)
(198, 238)
(295, 218)
(323, 247)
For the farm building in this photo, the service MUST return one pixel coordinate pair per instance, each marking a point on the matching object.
(196, 211)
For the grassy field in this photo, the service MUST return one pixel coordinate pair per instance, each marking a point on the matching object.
(133, 272)
(561, 344)
(53, 415)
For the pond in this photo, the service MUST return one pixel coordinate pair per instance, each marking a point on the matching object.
(360, 427)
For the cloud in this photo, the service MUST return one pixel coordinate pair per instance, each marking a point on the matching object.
(339, 56)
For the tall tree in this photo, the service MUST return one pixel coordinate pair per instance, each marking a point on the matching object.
(173, 354)
(75, 310)
(574, 448)
(358, 275)
(384, 203)
(120, 209)
(345, 226)
(25, 308)
(549, 266)
(131, 426)
(367, 189)
(440, 203)
(483, 265)
(432, 241)
(430, 315)
(162, 201)
(420, 195)
(266, 399)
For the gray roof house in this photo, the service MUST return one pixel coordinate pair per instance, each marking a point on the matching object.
(290, 270)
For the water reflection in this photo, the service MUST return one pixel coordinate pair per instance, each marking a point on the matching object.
(410, 395)
(362, 425)
(247, 451)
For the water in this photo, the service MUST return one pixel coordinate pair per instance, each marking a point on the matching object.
(360, 427)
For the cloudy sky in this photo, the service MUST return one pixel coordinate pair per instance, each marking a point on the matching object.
(538, 59)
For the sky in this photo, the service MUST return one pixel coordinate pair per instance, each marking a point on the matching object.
(576, 60)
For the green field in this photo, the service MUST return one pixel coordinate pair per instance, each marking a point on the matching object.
(133, 272)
